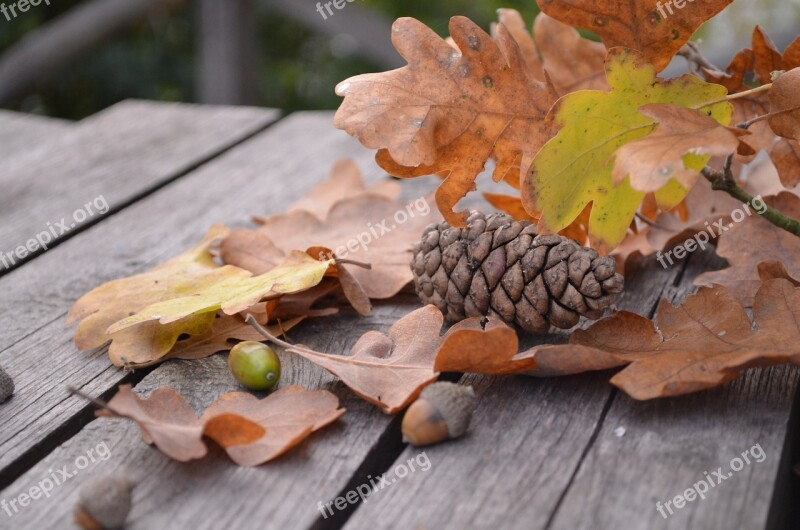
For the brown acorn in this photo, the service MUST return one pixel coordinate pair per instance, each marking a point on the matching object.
(442, 411)
(104, 502)
(6, 386)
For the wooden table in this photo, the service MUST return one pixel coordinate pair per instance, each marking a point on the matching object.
(564, 453)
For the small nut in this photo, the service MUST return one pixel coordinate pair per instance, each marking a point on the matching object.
(104, 502)
(6, 386)
(442, 411)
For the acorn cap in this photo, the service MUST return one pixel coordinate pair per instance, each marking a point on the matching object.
(6, 386)
(104, 502)
(454, 402)
(442, 411)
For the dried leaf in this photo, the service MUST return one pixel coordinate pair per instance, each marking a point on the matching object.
(251, 250)
(387, 370)
(770, 270)
(252, 431)
(226, 332)
(785, 154)
(704, 207)
(710, 340)
(705, 342)
(287, 417)
(662, 155)
(449, 110)
(365, 229)
(165, 420)
(573, 169)
(749, 68)
(656, 29)
(752, 241)
(298, 273)
(511, 205)
(515, 24)
(572, 62)
(469, 346)
(115, 300)
(753, 66)
(784, 98)
(344, 182)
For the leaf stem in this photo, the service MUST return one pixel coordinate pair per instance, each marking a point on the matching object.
(748, 123)
(342, 261)
(738, 95)
(263, 331)
(94, 401)
(722, 180)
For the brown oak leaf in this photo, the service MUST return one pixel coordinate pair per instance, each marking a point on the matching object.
(252, 431)
(785, 154)
(656, 28)
(710, 340)
(227, 331)
(754, 66)
(388, 370)
(571, 62)
(655, 159)
(367, 228)
(784, 99)
(515, 25)
(345, 181)
(703, 343)
(492, 348)
(450, 110)
(752, 241)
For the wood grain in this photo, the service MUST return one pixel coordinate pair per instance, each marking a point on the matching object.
(20, 131)
(120, 154)
(260, 176)
(668, 444)
(541, 453)
(526, 440)
(214, 493)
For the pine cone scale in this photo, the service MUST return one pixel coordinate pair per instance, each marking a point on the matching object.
(499, 266)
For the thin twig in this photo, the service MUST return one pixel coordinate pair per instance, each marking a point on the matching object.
(722, 180)
(691, 52)
(652, 224)
(748, 123)
(93, 400)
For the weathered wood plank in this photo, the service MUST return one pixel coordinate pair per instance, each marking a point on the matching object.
(109, 160)
(213, 492)
(19, 131)
(526, 441)
(263, 174)
(668, 444)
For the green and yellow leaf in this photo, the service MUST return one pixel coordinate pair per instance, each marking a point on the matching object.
(574, 169)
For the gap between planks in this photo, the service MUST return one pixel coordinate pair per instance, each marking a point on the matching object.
(281, 154)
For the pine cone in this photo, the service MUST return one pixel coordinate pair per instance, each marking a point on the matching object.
(500, 267)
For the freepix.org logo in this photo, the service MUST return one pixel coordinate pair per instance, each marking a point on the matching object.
(11, 11)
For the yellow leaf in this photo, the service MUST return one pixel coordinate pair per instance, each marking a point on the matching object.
(97, 310)
(298, 273)
(574, 168)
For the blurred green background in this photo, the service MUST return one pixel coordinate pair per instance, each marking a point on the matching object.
(297, 68)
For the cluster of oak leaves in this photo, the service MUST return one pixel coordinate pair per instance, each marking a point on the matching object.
(593, 141)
